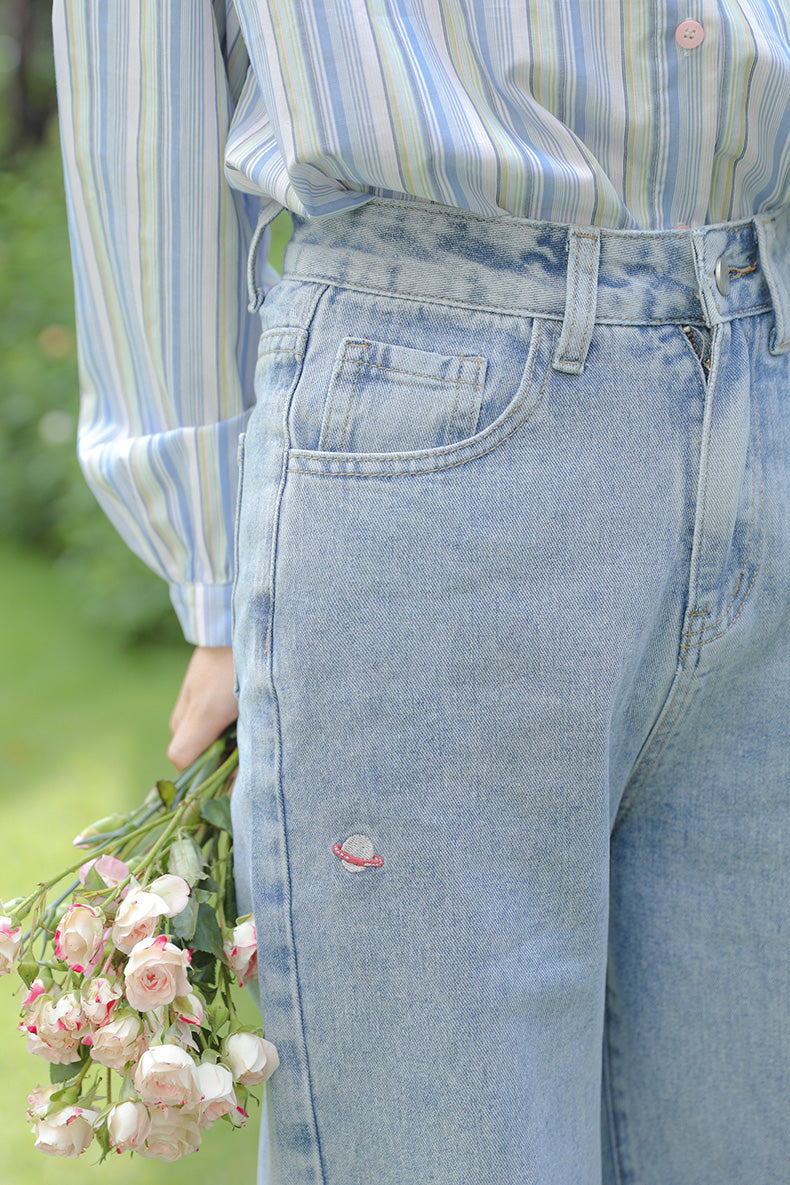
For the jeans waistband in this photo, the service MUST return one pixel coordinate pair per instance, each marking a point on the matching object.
(574, 274)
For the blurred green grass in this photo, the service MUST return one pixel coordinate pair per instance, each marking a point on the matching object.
(83, 731)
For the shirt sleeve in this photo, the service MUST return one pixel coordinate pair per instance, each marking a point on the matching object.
(159, 246)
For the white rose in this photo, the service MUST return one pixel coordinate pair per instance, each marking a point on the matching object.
(59, 1051)
(55, 1028)
(217, 1094)
(241, 951)
(10, 942)
(136, 919)
(99, 998)
(155, 974)
(39, 1101)
(252, 1059)
(174, 1133)
(190, 1010)
(65, 1133)
(173, 890)
(79, 936)
(128, 1124)
(65, 1013)
(117, 1043)
(32, 1004)
(166, 1075)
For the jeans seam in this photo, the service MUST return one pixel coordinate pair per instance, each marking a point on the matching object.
(700, 634)
(455, 405)
(691, 633)
(269, 653)
(470, 426)
(610, 1104)
(287, 432)
(746, 595)
(351, 398)
(382, 460)
(287, 872)
(415, 374)
(519, 312)
(708, 394)
(665, 730)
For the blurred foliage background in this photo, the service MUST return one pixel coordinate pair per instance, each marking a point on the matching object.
(43, 500)
(90, 653)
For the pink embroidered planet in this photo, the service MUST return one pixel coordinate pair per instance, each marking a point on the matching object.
(357, 853)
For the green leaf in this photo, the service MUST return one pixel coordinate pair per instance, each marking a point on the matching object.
(217, 812)
(203, 969)
(93, 882)
(128, 1092)
(167, 792)
(67, 1095)
(184, 923)
(102, 1137)
(186, 860)
(14, 910)
(65, 1073)
(27, 970)
(208, 936)
(230, 905)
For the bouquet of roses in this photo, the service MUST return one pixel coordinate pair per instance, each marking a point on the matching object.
(129, 972)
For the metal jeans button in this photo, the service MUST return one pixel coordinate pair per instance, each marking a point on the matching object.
(721, 274)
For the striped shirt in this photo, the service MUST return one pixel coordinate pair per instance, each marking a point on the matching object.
(183, 121)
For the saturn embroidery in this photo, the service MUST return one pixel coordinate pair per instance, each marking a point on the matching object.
(357, 852)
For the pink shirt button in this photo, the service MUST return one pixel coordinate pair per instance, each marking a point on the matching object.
(689, 34)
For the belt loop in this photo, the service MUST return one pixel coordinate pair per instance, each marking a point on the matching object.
(581, 294)
(257, 295)
(772, 254)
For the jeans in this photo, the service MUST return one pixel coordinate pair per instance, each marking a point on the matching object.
(512, 640)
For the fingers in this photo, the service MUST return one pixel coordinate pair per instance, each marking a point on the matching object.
(177, 715)
(205, 704)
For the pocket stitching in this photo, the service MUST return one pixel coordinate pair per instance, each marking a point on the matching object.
(473, 419)
(363, 344)
(352, 396)
(427, 455)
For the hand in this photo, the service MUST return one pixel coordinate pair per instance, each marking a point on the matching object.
(205, 706)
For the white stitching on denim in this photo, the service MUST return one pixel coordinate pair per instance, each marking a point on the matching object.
(450, 448)
(507, 310)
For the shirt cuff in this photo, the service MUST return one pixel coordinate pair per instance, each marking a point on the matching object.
(203, 611)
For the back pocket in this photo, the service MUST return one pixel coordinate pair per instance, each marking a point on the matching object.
(387, 398)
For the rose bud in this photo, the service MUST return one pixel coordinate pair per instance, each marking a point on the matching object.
(79, 936)
(252, 1059)
(65, 1133)
(128, 1124)
(10, 942)
(241, 951)
(217, 1094)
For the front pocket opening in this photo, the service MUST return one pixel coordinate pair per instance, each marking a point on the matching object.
(390, 398)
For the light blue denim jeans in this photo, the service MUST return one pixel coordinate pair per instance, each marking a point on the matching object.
(513, 652)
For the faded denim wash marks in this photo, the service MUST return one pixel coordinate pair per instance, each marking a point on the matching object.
(512, 625)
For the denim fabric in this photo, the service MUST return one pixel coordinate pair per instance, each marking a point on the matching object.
(512, 646)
